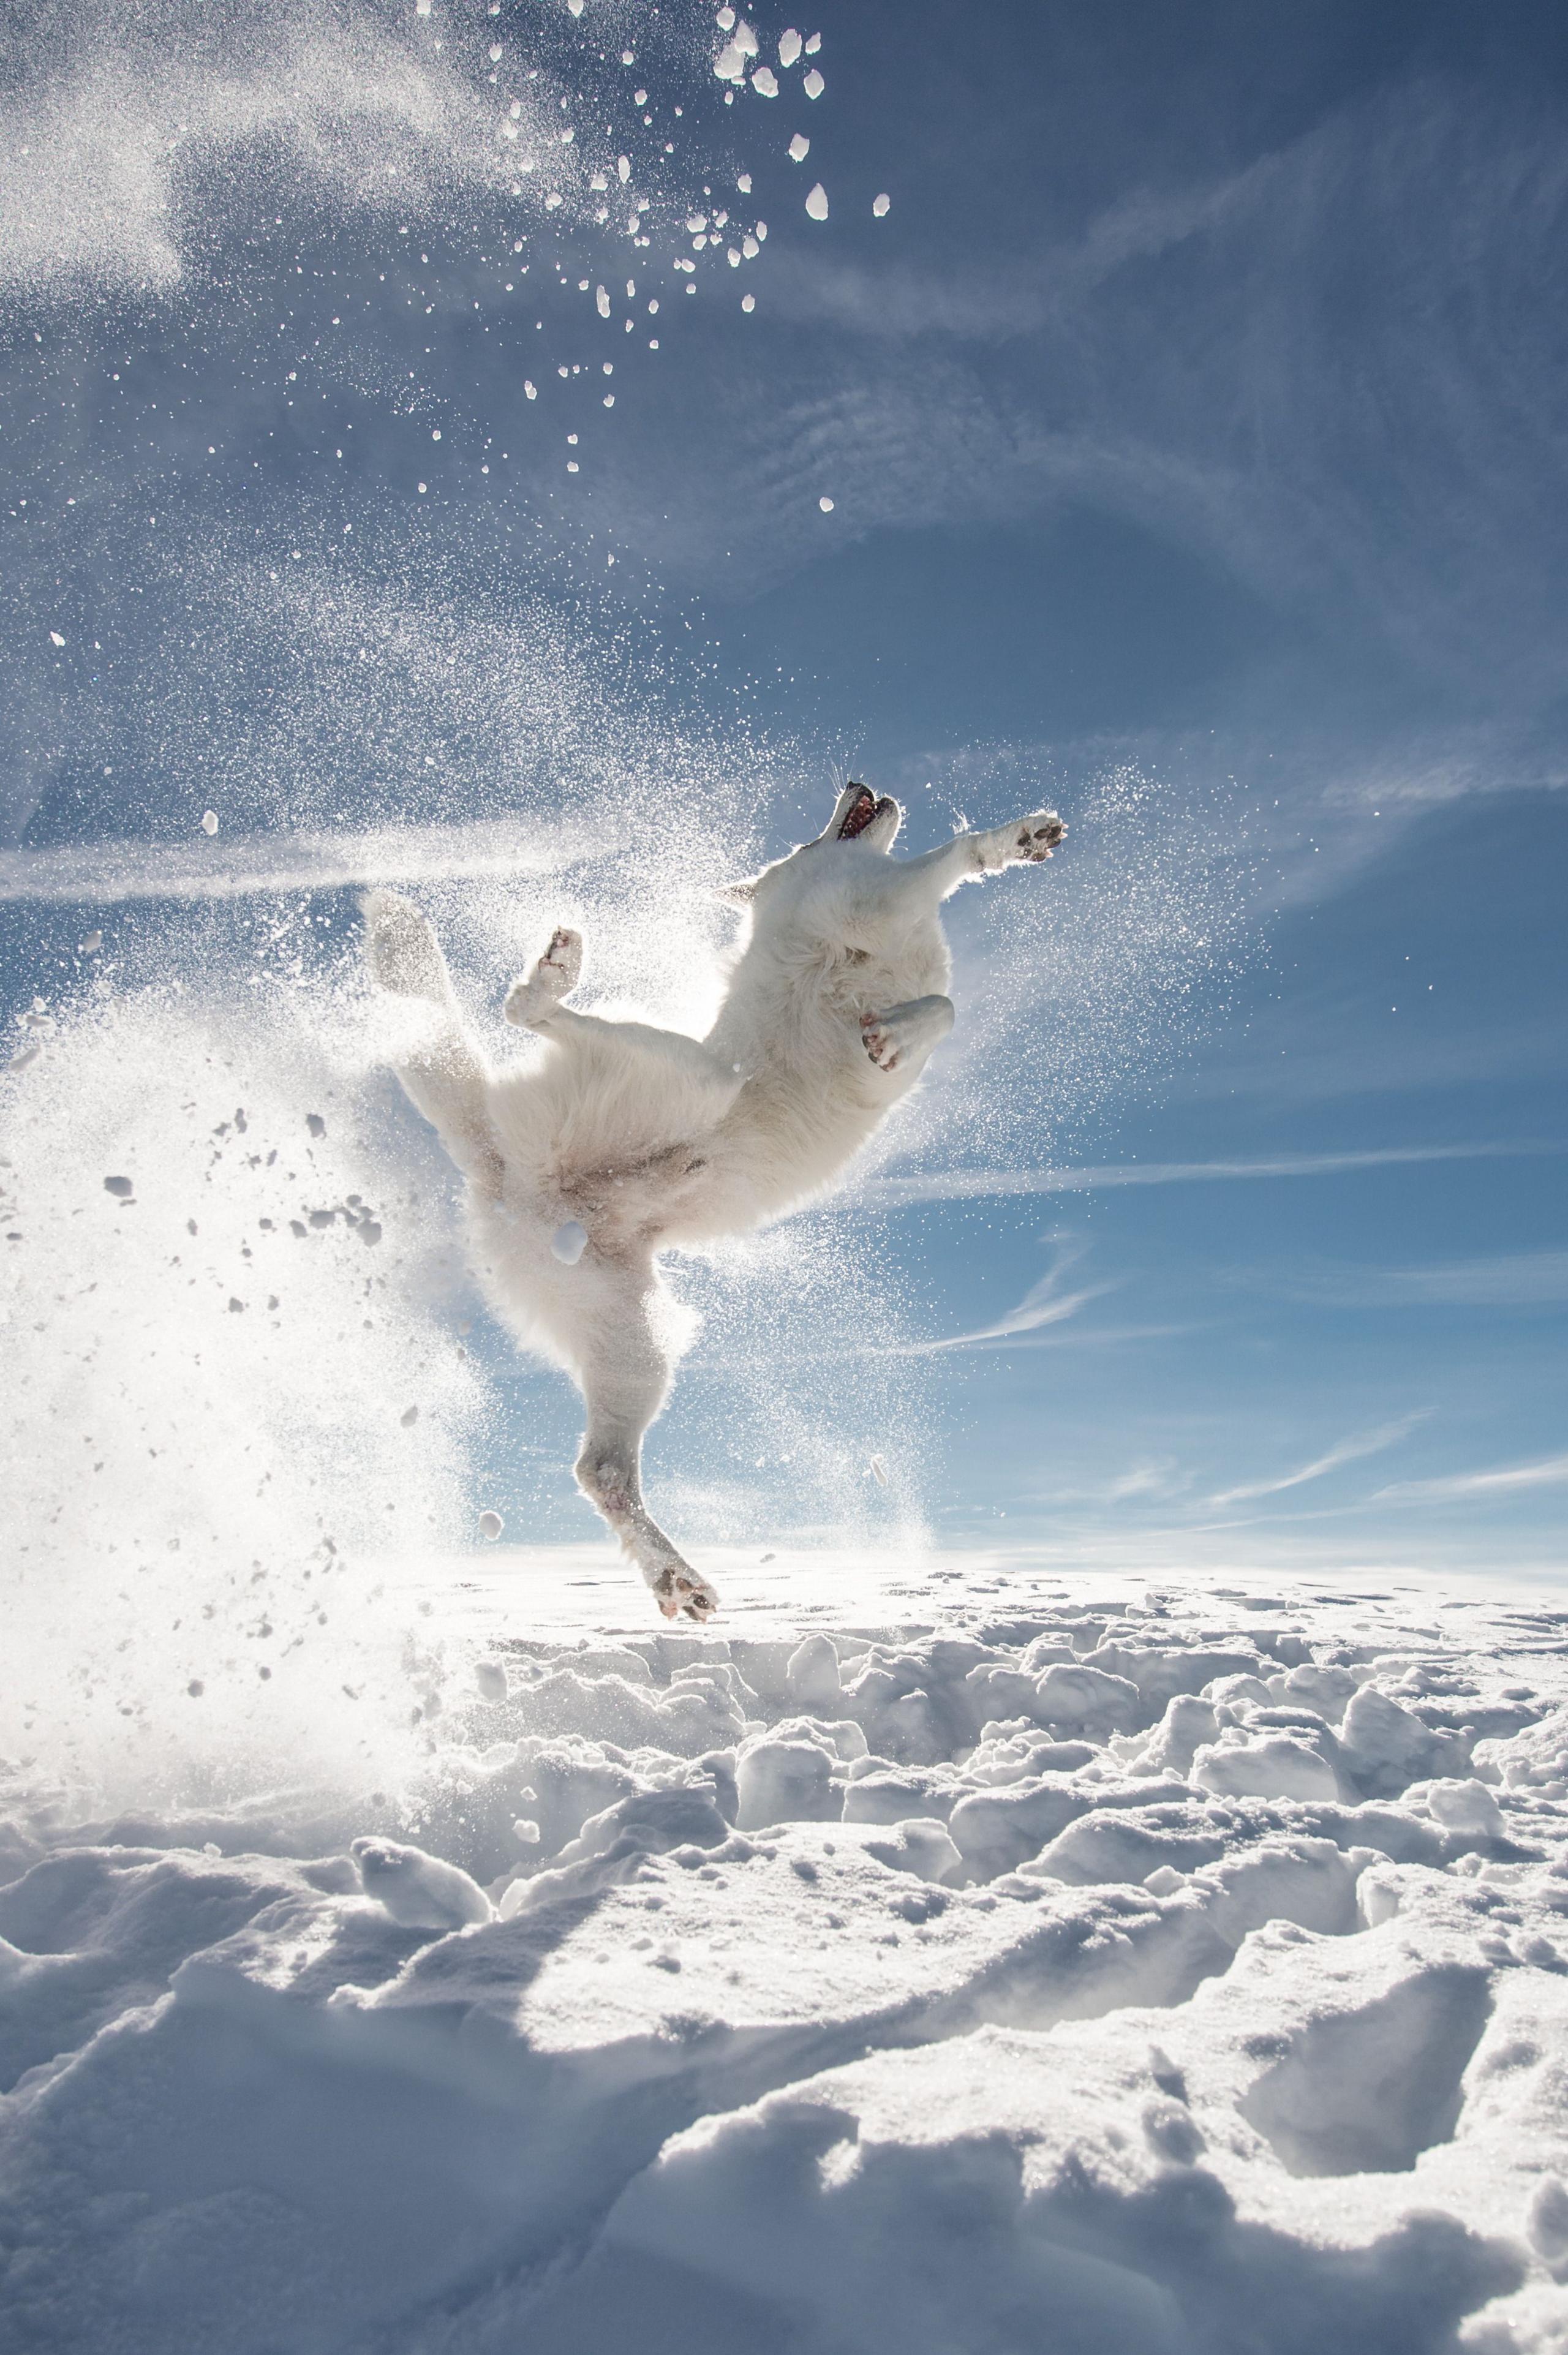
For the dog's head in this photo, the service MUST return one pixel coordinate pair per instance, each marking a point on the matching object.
(863, 816)
(860, 815)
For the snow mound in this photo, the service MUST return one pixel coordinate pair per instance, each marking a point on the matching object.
(416, 1890)
(1153, 1973)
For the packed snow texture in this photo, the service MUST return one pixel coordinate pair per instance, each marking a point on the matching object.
(1177, 1971)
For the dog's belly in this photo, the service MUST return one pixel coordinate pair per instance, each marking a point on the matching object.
(813, 1097)
(640, 1165)
(789, 1136)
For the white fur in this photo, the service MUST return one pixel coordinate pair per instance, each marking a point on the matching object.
(645, 1138)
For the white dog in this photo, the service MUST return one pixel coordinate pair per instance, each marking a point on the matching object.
(625, 1139)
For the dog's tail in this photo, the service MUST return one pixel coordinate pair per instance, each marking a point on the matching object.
(439, 1061)
(401, 951)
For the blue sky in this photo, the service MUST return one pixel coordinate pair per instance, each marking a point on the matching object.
(1193, 424)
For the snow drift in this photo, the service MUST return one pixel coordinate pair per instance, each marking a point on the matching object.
(993, 1977)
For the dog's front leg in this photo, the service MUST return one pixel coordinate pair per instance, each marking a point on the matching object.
(902, 1038)
(1026, 841)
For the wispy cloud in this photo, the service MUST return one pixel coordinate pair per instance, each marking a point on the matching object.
(1344, 1451)
(992, 304)
(238, 867)
(1188, 390)
(1154, 1479)
(1080, 1336)
(1157, 1476)
(1512, 1280)
(958, 1185)
(1044, 1303)
(1549, 1472)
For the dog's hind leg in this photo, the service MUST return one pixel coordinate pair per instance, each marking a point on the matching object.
(624, 1368)
(442, 1072)
(531, 1003)
(621, 1095)
(902, 1039)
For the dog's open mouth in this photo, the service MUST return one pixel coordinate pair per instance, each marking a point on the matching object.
(860, 813)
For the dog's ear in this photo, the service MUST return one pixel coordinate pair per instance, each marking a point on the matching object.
(736, 895)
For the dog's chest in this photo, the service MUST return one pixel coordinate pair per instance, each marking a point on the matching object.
(799, 992)
(879, 966)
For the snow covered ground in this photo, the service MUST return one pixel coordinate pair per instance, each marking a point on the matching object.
(966, 1958)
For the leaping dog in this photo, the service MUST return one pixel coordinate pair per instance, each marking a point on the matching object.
(625, 1139)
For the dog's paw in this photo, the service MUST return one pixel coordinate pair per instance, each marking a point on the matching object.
(1035, 837)
(683, 1593)
(400, 949)
(559, 969)
(881, 1041)
(901, 1036)
(554, 976)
